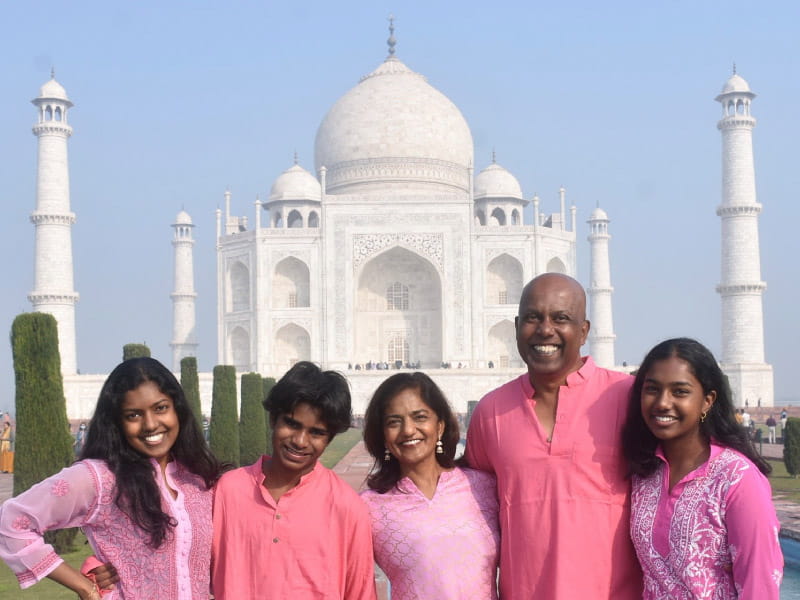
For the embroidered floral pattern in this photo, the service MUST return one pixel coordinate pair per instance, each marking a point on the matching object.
(60, 488)
(699, 562)
(21, 523)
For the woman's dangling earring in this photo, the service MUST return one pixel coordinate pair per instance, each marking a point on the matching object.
(386, 455)
(439, 449)
(703, 416)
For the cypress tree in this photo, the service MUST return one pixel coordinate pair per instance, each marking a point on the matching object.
(190, 383)
(268, 383)
(253, 423)
(224, 431)
(43, 440)
(791, 446)
(135, 351)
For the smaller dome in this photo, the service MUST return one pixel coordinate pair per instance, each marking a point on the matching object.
(183, 218)
(53, 89)
(598, 214)
(496, 182)
(295, 183)
(736, 83)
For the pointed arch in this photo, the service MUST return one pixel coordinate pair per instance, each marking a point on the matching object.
(498, 216)
(412, 309)
(294, 220)
(291, 284)
(503, 280)
(480, 217)
(239, 276)
(502, 344)
(292, 344)
(313, 219)
(556, 265)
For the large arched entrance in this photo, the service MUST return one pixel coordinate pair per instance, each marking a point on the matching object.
(398, 310)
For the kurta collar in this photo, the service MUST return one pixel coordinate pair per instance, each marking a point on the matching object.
(573, 379)
(256, 470)
(700, 471)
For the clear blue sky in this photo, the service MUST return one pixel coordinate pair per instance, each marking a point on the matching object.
(174, 101)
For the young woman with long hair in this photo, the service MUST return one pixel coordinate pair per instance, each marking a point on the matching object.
(141, 492)
(702, 519)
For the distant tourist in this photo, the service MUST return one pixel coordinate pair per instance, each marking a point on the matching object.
(746, 419)
(141, 494)
(702, 518)
(434, 525)
(80, 439)
(771, 426)
(6, 455)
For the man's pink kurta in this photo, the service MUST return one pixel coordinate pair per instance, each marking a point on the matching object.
(83, 495)
(315, 542)
(714, 535)
(443, 548)
(564, 504)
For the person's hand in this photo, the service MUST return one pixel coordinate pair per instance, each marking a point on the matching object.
(90, 594)
(105, 576)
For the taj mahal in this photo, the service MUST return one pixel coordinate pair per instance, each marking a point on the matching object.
(396, 251)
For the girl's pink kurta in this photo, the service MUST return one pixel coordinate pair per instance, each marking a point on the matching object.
(82, 495)
(714, 535)
(446, 547)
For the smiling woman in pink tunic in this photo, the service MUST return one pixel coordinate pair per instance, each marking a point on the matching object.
(434, 525)
(141, 493)
(702, 519)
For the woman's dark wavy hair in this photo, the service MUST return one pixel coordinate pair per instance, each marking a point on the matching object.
(325, 391)
(638, 442)
(137, 493)
(386, 473)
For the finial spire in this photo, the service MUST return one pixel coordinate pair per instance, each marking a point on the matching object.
(52, 72)
(494, 156)
(392, 42)
(295, 157)
(734, 68)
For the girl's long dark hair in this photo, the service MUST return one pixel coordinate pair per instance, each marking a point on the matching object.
(638, 442)
(137, 493)
(386, 473)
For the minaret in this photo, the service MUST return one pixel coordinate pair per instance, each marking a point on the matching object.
(601, 333)
(53, 288)
(741, 287)
(184, 338)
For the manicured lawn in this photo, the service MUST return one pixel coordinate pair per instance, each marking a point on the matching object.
(783, 483)
(340, 446)
(46, 589)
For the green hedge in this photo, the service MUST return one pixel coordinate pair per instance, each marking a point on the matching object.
(43, 439)
(190, 383)
(224, 431)
(135, 351)
(269, 382)
(791, 446)
(253, 423)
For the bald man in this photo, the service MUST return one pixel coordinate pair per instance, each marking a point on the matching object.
(552, 438)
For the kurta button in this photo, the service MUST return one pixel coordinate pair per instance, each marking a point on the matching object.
(275, 540)
(277, 516)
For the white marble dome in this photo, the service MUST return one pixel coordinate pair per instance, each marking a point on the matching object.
(496, 182)
(53, 89)
(295, 183)
(598, 214)
(183, 218)
(736, 83)
(394, 127)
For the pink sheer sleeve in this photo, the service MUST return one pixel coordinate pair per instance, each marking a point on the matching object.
(360, 584)
(753, 538)
(67, 499)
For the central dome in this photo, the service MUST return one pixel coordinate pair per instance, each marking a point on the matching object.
(394, 127)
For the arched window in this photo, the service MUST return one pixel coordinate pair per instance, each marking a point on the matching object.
(498, 216)
(313, 219)
(515, 217)
(294, 220)
(240, 287)
(58, 113)
(397, 297)
(480, 217)
(48, 113)
(278, 221)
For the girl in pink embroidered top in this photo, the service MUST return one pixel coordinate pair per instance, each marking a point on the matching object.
(141, 493)
(702, 519)
(434, 526)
